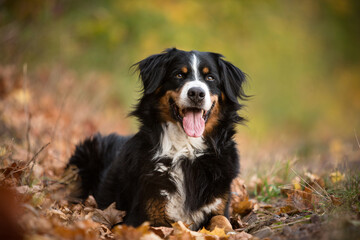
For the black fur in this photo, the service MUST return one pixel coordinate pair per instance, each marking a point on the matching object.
(121, 169)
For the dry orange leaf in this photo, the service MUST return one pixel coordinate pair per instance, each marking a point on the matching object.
(336, 177)
(162, 232)
(288, 209)
(302, 200)
(220, 232)
(220, 221)
(109, 217)
(124, 232)
(243, 207)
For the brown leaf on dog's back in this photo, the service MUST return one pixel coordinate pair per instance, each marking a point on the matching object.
(109, 217)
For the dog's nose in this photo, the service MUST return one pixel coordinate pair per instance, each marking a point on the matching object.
(196, 94)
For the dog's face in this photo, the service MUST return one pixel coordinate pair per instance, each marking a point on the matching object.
(191, 87)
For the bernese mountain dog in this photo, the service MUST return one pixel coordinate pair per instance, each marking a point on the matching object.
(180, 165)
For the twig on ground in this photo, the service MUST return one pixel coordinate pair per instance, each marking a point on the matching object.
(286, 224)
(33, 160)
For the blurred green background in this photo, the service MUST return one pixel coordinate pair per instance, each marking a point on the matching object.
(302, 57)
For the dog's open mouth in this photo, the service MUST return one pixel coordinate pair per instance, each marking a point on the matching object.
(192, 119)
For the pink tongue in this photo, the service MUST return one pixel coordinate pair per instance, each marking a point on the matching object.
(193, 123)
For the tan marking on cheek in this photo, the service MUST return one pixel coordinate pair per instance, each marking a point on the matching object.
(184, 69)
(205, 70)
(214, 116)
(164, 106)
(222, 96)
(156, 212)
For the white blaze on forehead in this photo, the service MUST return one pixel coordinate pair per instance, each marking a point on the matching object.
(184, 100)
(195, 67)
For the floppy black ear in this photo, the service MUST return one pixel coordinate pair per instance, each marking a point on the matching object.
(153, 69)
(232, 80)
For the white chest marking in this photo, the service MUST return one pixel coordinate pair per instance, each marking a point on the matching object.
(174, 143)
(175, 207)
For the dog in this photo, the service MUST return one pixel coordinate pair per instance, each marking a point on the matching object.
(180, 164)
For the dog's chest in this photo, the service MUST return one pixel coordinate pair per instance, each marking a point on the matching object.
(176, 209)
(177, 146)
(174, 144)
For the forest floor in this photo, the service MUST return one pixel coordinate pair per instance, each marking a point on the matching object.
(44, 115)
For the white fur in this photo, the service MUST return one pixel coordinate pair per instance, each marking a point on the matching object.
(164, 193)
(160, 167)
(184, 100)
(174, 143)
(176, 202)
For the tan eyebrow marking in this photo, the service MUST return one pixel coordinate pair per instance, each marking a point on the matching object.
(184, 69)
(205, 70)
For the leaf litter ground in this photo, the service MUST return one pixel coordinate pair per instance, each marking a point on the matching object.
(41, 120)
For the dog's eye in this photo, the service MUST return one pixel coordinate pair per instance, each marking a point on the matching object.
(210, 78)
(179, 76)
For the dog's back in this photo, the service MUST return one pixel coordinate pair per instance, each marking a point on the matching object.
(92, 158)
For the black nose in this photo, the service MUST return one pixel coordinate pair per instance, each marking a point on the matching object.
(196, 94)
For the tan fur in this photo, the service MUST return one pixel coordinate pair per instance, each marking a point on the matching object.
(156, 211)
(214, 116)
(184, 69)
(205, 70)
(165, 108)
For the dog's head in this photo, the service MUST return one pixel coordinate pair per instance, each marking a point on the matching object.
(192, 89)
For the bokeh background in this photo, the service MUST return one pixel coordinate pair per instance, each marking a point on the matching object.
(302, 59)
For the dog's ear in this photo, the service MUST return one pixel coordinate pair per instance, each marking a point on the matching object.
(232, 79)
(152, 69)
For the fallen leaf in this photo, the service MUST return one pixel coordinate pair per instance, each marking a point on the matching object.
(124, 232)
(336, 201)
(90, 202)
(162, 232)
(241, 236)
(180, 229)
(109, 217)
(243, 207)
(296, 183)
(220, 222)
(238, 190)
(56, 212)
(336, 177)
(236, 222)
(288, 209)
(301, 200)
(219, 232)
(10, 212)
(85, 229)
